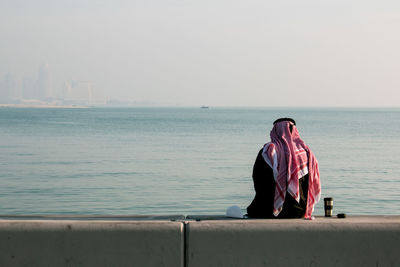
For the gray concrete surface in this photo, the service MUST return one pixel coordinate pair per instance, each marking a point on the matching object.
(354, 241)
(199, 241)
(90, 243)
(96, 217)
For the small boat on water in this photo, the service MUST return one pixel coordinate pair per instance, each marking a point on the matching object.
(204, 107)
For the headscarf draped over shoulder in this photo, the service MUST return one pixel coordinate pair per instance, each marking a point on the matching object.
(291, 159)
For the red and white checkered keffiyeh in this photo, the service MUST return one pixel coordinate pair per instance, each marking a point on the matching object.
(291, 159)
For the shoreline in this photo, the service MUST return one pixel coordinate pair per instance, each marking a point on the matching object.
(39, 106)
(344, 108)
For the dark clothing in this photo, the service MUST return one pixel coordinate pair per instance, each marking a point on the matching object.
(264, 185)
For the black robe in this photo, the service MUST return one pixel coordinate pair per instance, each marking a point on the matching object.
(264, 185)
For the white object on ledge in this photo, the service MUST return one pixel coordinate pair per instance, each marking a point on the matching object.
(234, 212)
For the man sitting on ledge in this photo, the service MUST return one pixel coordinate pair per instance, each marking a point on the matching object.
(286, 176)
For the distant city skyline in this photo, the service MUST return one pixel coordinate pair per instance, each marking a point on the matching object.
(19, 90)
(215, 53)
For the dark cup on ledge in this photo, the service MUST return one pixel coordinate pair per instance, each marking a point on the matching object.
(328, 206)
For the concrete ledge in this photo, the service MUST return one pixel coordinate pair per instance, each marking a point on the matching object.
(208, 217)
(199, 241)
(90, 243)
(354, 241)
(96, 217)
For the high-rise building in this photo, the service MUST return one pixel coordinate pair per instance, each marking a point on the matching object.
(7, 88)
(28, 88)
(78, 92)
(44, 89)
(82, 93)
(3, 92)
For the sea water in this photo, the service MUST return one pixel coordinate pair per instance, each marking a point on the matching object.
(124, 161)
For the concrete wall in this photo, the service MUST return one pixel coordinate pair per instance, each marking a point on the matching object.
(90, 243)
(354, 241)
(360, 241)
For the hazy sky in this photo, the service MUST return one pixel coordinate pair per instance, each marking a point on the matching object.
(212, 52)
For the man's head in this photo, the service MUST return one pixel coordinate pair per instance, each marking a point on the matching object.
(286, 119)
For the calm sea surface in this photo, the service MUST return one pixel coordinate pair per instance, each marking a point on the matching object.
(128, 161)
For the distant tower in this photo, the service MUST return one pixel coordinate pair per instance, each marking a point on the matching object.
(44, 89)
(78, 92)
(90, 91)
(28, 88)
(7, 89)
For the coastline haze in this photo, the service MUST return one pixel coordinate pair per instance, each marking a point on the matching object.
(224, 53)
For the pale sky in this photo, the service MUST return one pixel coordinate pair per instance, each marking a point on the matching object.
(212, 52)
